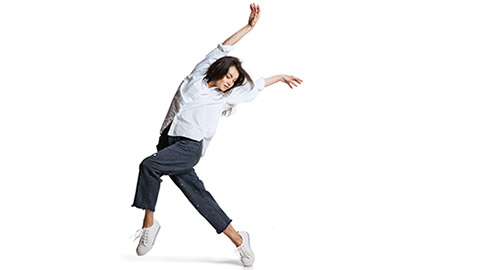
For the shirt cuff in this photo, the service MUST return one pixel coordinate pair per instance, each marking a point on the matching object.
(260, 84)
(225, 48)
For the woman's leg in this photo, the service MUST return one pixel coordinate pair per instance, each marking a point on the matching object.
(193, 188)
(179, 156)
(162, 143)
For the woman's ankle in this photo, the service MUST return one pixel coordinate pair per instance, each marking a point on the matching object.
(148, 219)
(233, 235)
(147, 224)
(238, 240)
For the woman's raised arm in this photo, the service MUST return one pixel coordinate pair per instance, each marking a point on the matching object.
(252, 21)
(288, 79)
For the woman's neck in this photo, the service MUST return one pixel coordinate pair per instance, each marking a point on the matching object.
(211, 84)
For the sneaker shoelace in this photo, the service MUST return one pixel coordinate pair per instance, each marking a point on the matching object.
(243, 252)
(143, 235)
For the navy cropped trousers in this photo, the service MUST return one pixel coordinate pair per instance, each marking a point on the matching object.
(176, 158)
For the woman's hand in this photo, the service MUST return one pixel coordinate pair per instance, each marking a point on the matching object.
(254, 14)
(288, 79)
(291, 80)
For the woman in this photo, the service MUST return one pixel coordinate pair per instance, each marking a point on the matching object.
(213, 88)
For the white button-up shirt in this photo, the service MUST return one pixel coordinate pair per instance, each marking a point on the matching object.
(196, 109)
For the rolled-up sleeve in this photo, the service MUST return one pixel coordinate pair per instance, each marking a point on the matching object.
(217, 53)
(247, 92)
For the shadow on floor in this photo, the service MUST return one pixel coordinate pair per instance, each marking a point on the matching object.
(183, 259)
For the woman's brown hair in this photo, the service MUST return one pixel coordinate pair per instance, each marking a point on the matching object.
(219, 68)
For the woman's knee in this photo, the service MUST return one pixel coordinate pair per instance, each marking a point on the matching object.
(146, 163)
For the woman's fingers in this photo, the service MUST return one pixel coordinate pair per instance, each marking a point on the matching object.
(255, 8)
(289, 83)
(293, 81)
(298, 80)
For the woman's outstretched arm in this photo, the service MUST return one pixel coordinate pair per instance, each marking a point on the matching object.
(252, 20)
(288, 79)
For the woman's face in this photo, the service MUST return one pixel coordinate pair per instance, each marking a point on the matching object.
(228, 80)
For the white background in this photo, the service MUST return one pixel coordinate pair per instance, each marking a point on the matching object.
(373, 163)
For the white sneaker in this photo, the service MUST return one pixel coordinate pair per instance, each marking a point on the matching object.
(246, 253)
(147, 238)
